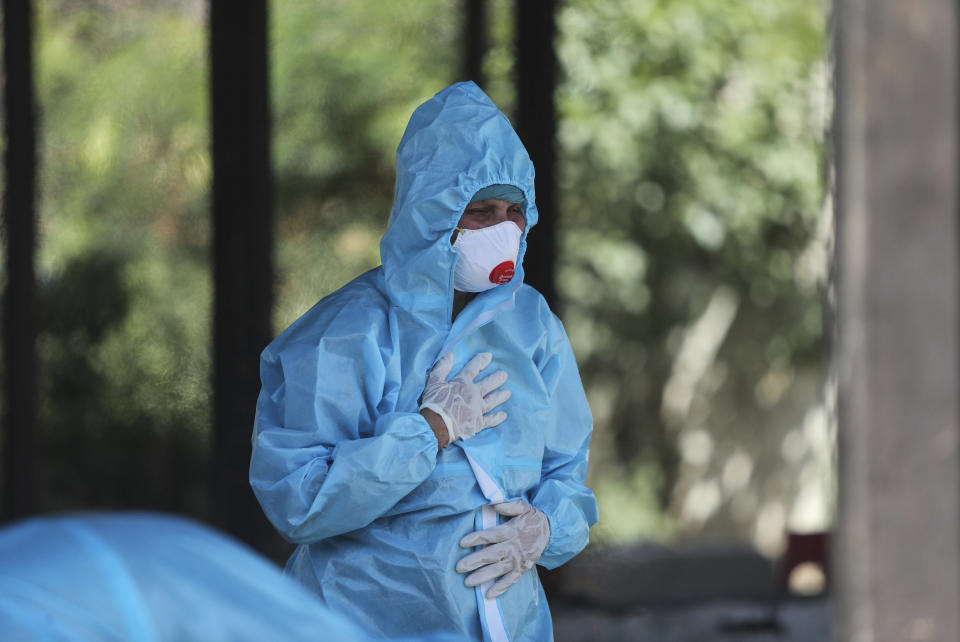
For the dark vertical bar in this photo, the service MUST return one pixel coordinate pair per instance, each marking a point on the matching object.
(536, 122)
(19, 226)
(898, 561)
(474, 40)
(242, 251)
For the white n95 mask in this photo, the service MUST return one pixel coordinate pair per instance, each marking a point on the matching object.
(488, 256)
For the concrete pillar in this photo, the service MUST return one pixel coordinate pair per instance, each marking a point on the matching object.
(899, 504)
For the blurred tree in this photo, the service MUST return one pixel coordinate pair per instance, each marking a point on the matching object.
(691, 267)
(125, 290)
(125, 175)
(345, 78)
(95, 451)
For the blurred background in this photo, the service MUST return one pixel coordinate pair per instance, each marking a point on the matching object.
(690, 215)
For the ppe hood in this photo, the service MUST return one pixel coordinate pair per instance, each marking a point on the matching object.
(455, 144)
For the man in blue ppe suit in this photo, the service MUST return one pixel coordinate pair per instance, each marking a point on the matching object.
(422, 433)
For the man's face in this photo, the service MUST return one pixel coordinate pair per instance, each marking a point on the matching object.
(481, 214)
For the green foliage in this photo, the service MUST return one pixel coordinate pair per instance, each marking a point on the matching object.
(691, 138)
(346, 76)
(124, 181)
(124, 289)
(124, 132)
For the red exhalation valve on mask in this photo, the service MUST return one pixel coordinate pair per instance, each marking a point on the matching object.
(502, 273)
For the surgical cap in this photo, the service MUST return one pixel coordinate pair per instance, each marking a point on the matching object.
(507, 193)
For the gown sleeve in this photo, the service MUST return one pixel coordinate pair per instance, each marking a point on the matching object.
(562, 493)
(329, 454)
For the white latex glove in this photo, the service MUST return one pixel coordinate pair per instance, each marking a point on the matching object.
(512, 548)
(461, 402)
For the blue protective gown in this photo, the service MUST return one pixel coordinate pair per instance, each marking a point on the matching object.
(141, 577)
(344, 465)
